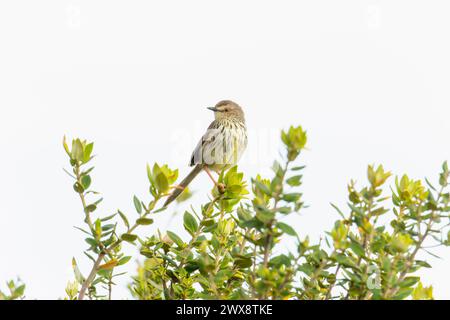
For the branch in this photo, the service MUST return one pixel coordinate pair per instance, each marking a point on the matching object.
(268, 242)
(91, 276)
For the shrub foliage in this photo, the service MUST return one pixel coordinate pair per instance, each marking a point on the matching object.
(236, 247)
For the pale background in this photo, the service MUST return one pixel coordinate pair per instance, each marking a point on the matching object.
(368, 79)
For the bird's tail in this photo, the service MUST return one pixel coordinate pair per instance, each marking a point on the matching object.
(177, 191)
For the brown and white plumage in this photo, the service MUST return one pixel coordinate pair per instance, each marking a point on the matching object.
(220, 147)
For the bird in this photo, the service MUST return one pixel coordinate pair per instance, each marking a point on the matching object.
(220, 147)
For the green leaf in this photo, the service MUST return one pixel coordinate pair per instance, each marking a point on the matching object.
(338, 210)
(345, 261)
(160, 210)
(137, 204)
(82, 230)
(422, 293)
(185, 195)
(191, 266)
(160, 179)
(91, 241)
(262, 187)
(98, 228)
(210, 228)
(124, 218)
(78, 187)
(291, 197)
(287, 229)
(77, 150)
(108, 217)
(379, 211)
(19, 291)
(306, 269)
(243, 262)
(243, 214)
(294, 181)
(403, 293)
(357, 249)
(423, 264)
(128, 237)
(284, 210)
(190, 223)
(107, 227)
(207, 222)
(409, 282)
(87, 152)
(90, 208)
(401, 242)
(235, 189)
(86, 181)
(176, 239)
(78, 276)
(277, 169)
(150, 174)
(443, 180)
(280, 260)
(123, 260)
(144, 221)
(264, 215)
(430, 184)
(66, 147)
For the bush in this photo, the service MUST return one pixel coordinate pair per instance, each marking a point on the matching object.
(233, 247)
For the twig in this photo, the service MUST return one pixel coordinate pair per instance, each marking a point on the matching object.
(330, 288)
(86, 283)
(269, 238)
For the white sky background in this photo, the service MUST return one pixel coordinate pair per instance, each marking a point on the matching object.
(368, 79)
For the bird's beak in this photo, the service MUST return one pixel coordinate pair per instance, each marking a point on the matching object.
(212, 109)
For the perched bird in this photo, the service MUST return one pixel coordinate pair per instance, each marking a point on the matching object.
(221, 146)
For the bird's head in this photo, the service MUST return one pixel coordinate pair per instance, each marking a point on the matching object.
(227, 109)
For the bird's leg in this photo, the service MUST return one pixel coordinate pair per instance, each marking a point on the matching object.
(209, 174)
(220, 186)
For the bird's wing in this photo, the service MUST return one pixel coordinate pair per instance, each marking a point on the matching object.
(208, 138)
